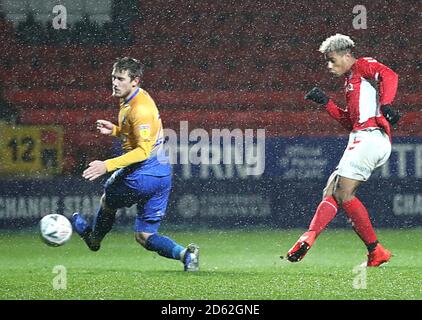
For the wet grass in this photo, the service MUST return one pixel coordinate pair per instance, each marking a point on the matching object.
(235, 265)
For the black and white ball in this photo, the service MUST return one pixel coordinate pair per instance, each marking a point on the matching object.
(55, 229)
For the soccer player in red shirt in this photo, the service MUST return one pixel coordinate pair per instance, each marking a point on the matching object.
(369, 146)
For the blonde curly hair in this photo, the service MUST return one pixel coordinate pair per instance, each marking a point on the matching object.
(337, 43)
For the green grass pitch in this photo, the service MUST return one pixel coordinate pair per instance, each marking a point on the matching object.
(235, 265)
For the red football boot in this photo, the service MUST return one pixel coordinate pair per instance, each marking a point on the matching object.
(301, 247)
(379, 256)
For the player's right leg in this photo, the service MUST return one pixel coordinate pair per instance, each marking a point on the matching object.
(151, 209)
(168, 248)
(326, 211)
(378, 256)
(190, 257)
(359, 217)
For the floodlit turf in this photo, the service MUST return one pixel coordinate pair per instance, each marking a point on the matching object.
(234, 265)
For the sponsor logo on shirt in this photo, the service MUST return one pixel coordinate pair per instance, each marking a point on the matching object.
(349, 87)
(144, 131)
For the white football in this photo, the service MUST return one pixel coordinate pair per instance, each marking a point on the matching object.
(55, 229)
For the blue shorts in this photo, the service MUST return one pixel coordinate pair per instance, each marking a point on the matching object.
(149, 193)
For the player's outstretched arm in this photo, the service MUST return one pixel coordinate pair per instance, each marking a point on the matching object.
(105, 127)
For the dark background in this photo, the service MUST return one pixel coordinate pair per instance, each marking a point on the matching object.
(217, 64)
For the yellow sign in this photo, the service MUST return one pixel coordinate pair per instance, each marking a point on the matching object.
(31, 150)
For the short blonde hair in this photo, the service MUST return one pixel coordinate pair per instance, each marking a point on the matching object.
(337, 43)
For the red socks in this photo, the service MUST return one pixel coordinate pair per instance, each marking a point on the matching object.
(359, 217)
(325, 212)
(355, 211)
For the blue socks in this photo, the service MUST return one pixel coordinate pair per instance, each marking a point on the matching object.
(103, 222)
(164, 246)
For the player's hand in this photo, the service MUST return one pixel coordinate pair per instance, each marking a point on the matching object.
(105, 127)
(317, 95)
(392, 116)
(96, 169)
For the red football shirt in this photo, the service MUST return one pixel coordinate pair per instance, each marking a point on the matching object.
(362, 110)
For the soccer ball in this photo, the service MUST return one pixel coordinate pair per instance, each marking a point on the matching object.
(55, 229)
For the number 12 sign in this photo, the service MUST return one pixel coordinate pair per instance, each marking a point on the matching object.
(31, 150)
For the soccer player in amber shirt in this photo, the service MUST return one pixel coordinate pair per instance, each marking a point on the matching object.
(141, 176)
(369, 145)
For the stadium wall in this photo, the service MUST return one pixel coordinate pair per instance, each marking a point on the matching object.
(284, 195)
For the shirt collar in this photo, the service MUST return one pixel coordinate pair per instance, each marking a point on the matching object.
(132, 96)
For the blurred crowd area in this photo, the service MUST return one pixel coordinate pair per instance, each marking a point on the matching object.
(217, 64)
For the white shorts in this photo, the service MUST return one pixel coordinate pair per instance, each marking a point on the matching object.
(366, 150)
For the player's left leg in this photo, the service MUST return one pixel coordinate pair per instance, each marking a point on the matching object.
(344, 194)
(116, 195)
(359, 217)
(150, 212)
(102, 224)
(104, 220)
(369, 150)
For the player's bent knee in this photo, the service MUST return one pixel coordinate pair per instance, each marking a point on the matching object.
(339, 199)
(142, 237)
(105, 207)
(342, 196)
(327, 193)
